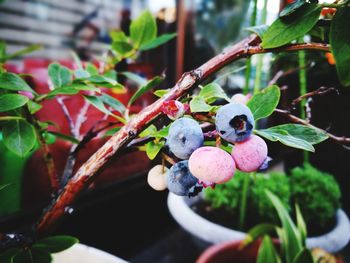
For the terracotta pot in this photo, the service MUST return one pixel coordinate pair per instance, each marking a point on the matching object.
(230, 252)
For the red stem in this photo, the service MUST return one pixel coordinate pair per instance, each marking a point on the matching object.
(91, 167)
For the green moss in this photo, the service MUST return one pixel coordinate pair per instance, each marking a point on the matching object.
(317, 194)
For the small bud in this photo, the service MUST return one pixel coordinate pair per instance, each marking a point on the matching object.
(173, 109)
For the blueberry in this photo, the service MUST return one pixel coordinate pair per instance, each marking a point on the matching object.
(234, 122)
(181, 181)
(185, 136)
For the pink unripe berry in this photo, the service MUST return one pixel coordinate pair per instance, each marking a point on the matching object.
(173, 109)
(240, 98)
(156, 177)
(211, 164)
(250, 154)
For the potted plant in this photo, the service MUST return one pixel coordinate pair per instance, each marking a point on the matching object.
(291, 248)
(198, 153)
(225, 217)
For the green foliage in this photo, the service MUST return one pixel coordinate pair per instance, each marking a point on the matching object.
(11, 81)
(294, 135)
(228, 195)
(296, 25)
(263, 103)
(19, 136)
(143, 89)
(340, 42)
(12, 101)
(267, 251)
(317, 193)
(59, 75)
(40, 251)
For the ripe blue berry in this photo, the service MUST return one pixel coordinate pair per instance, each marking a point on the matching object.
(181, 181)
(234, 122)
(185, 136)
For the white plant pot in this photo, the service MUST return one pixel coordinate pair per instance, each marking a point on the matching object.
(85, 254)
(213, 233)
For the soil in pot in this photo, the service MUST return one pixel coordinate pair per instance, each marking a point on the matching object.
(228, 219)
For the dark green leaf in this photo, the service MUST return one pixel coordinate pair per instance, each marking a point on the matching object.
(304, 256)
(2, 50)
(59, 75)
(211, 92)
(340, 43)
(306, 133)
(161, 92)
(135, 77)
(70, 90)
(289, 235)
(160, 40)
(285, 138)
(263, 103)
(257, 232)
(153, 148)
(292, 7)
(101, 80)
(22, 52)
(267, 252)
(283, 31)
(258, 30)
(12, 101)
(7, 256)
(33, 107)
(11, 81)
(97, 103)
(148, 86)
(143, 29)
(113, 102)
(33, 255)
(19, 136)
(56, 244)
(122, 48)
(4, 186)
(198, 104)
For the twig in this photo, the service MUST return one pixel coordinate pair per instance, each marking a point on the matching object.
(342, 140)
(318, 92)
(118, 141)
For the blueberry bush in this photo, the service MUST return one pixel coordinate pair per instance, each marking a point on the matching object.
(204, 137)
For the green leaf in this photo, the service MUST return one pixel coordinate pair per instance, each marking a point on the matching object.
(143, 29)
(71, 89)
(11, 81)
(149, 131)
(163, 132)
(211, 92)
(19, 136)
(21, 52)
(4, 186)
(267, 252)
(56, 244)
(118, 36)
(301, 224)
(153, 148)
(304, 256)
(112, 131)
(113, 102)
(59, 75)
(12, 101)
(122, 48)
(64, 137)
(161, 92)
(148, 86)
(8, 254)
(263, 103)
(291, 8)
(283, 31)
(32, 256)
(289, 235)
(258, 30)
(2, 50)
(33, 107)
(198, 104)
(104, 81)
(160, 40)
(91, 68)
(135, 77)
(81, 74)
(285, 138)
(97, 103)
(340, 43)
(258, 231)
(306, 133)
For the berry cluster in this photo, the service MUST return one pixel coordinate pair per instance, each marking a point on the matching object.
(204, 166)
